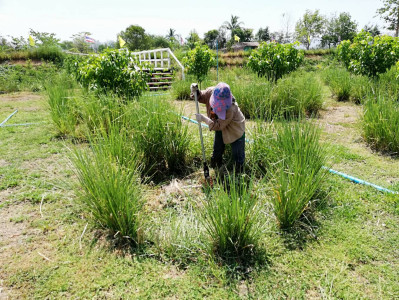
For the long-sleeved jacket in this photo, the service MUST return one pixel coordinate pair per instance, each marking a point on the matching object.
(233, 127)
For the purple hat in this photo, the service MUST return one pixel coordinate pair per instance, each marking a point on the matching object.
(221, 99)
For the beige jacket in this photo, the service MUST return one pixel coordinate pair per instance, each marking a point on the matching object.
(233, 127)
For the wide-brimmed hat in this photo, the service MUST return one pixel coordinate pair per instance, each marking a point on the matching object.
(221, 100)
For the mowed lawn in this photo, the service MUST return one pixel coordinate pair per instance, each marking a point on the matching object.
(50, 249)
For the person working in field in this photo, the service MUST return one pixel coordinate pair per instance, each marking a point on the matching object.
(226, 119)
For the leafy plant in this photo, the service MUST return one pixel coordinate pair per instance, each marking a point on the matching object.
(273, 60)
(368, 55)
(116, 71)
(199, 61)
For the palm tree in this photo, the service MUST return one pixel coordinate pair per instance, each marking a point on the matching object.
(233, 25)
(171, 34)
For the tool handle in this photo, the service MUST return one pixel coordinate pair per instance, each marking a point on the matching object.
(200, 129)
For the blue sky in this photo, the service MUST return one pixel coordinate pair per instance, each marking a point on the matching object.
(104, 19)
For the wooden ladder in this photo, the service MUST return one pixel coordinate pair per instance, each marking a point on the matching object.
(161, 79)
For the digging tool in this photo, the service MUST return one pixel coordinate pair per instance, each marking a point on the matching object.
(206, 169)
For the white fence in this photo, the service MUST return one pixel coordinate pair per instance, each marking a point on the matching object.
(159, 58)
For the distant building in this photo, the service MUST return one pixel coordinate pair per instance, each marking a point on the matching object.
(244, 46)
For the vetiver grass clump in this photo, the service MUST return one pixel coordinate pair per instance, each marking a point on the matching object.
(339, 81)
(62, 105)
(160, 136)
(110, 183)
(297, 95)
(231, 218)
(291, 157)
(380, 123)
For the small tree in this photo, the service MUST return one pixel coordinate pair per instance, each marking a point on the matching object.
(390, 14)
(273, 60)
(310, 26)
(198, 61)
(339, 29)
(210, 38)
(373, 30)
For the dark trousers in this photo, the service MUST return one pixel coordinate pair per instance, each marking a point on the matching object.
(237, 148)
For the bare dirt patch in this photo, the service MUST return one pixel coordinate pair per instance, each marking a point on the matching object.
(23, 96)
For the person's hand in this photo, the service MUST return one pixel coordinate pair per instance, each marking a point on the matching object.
(198, 117)
(194, 87)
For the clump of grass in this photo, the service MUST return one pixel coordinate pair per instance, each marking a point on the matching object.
(299, 94)
(62, 105)
(339, 81)
(231, 219)
(361, 88)
(253, 99)
(380, 124)
(181, 90)
(111, 189)
(290, 156)
(161, 137)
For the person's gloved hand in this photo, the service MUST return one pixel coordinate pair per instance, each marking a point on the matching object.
(202, 118)
(194, 87)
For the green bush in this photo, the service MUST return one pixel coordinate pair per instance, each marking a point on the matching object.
(291, 158)
(361, 88)
(380, 124)
(232, 220)
(367, 55)
(274, 60)
(113, 71)
(181, 90)
(199, 61)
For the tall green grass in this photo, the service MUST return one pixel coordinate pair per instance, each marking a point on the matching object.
(339, 81)
(62, 103)
(108, 173)
(380, 124)
(231, 218)
(291, 157)
(161, 137)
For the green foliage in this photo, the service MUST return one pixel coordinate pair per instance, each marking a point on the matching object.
(390, 14)
(273, 60)
(199, 61)
(291, 157)
(367, 55)
(380, 124)
(232, 220)
(338, 29)
(263, 34)
(181, 89)
(113, 71)
(310, 26)
(47, 53)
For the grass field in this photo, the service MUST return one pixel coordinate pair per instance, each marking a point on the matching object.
(49, 248)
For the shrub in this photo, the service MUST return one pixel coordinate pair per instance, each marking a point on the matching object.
(380, 124)
(273, 60)
(231, 219)
(199, 61)
(368, 55)
(339, 81)
(361, 88)
(115, 71)
(290, 156)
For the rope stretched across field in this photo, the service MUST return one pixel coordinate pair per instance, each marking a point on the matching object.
(346, 176)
